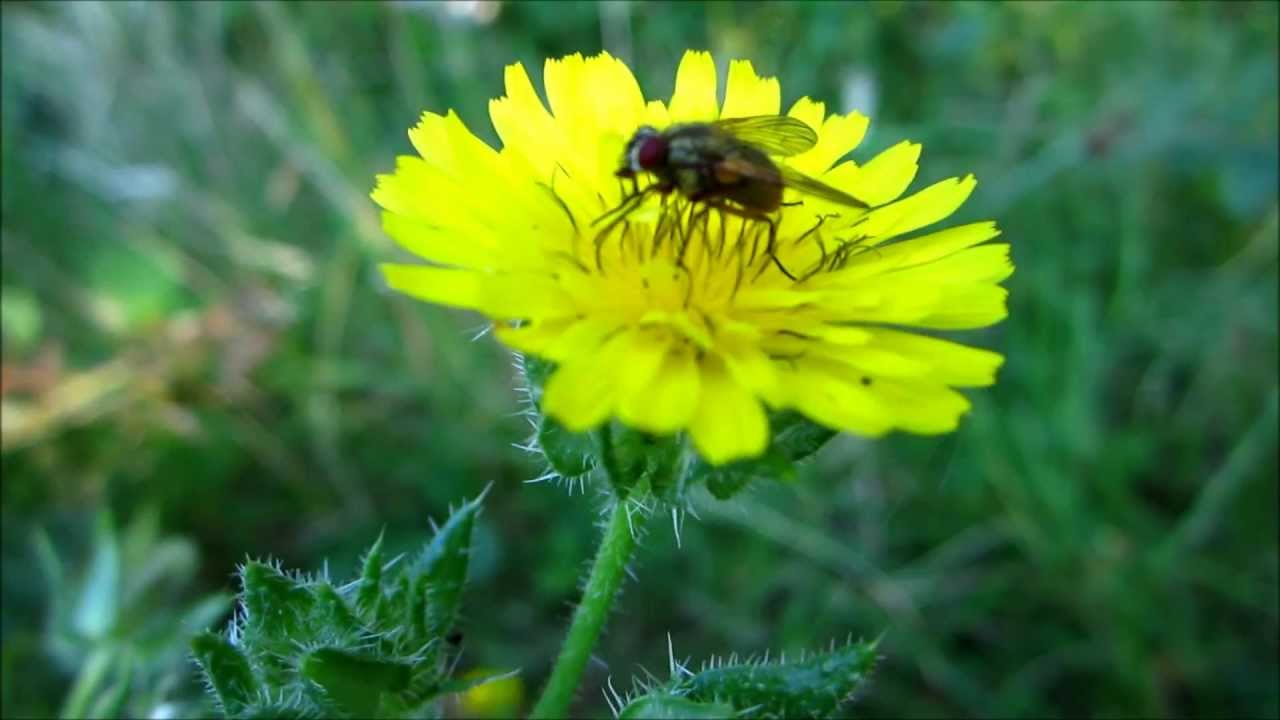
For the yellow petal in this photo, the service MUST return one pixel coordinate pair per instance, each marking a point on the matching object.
(838, 135)
(566, 92)
(819, 390)
(967, 307)
(694, 99)
(580, 393)
(585, 389)
(882, 178)
(906, 254)
(810, 111)
(457, 288)
(920, 407)
(729, 423)
(582, 337)
(656, 114)
(916, 211)
(952, 363)
(667, 401)
(524, 125)
(445, 246)
(983, 264)
(614, 94)
(747, 94)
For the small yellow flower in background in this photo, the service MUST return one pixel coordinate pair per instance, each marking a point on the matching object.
(700, 337)
(497, 698)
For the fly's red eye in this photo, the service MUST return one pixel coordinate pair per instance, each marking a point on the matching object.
(653, 151)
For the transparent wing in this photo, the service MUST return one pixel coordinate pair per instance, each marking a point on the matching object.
(803, 183)
(774, 134)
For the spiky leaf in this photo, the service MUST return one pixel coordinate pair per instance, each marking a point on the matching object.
(369, 591)
(814, 687)
(355, 684)
(444, 568)
(227, 671)
(276, 606)
(665, 706)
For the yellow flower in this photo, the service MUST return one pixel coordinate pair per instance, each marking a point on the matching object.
(700, 336)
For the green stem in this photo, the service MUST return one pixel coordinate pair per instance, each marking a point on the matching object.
(602, 585)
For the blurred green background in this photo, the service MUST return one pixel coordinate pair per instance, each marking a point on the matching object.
(200, 364)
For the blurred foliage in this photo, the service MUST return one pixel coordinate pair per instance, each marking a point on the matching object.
(116, 621)
(192, 322)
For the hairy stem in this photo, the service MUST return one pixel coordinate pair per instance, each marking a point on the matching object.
(588, 620)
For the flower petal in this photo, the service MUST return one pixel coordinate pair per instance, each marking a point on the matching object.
(922, 407)
(906, 254)
(667, 402)
(882, 178)
(812, 112)
(838, 135)
(821, 390)
(747, 94)
(950, 363)
(729, 423)
(916, 211)
(584, 390)
(457, 288)
(694, 99)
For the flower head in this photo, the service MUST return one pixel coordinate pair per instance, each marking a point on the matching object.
(682, 320)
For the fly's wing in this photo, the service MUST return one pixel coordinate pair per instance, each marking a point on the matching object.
(774, 134)
(803, 183)
(732, 167)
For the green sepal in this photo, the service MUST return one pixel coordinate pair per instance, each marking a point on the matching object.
(796, 437)
(443, 568)
(724, 481)
(536, 373)
(664, 706)
(633, 458)
(814, 687)
(569, 454)
(353, 683)
(227, 670)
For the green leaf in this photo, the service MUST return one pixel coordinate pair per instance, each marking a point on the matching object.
(332, 613)
(227, 670)
(443, 566)
(664, 706)
(568, 453)
(354, 683)
(370, 590)
(814, 687)
(276, 606)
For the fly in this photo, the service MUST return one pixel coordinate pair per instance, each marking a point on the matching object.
(725, 165)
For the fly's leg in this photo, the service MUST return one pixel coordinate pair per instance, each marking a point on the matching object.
(628, 205)
(770, 245)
